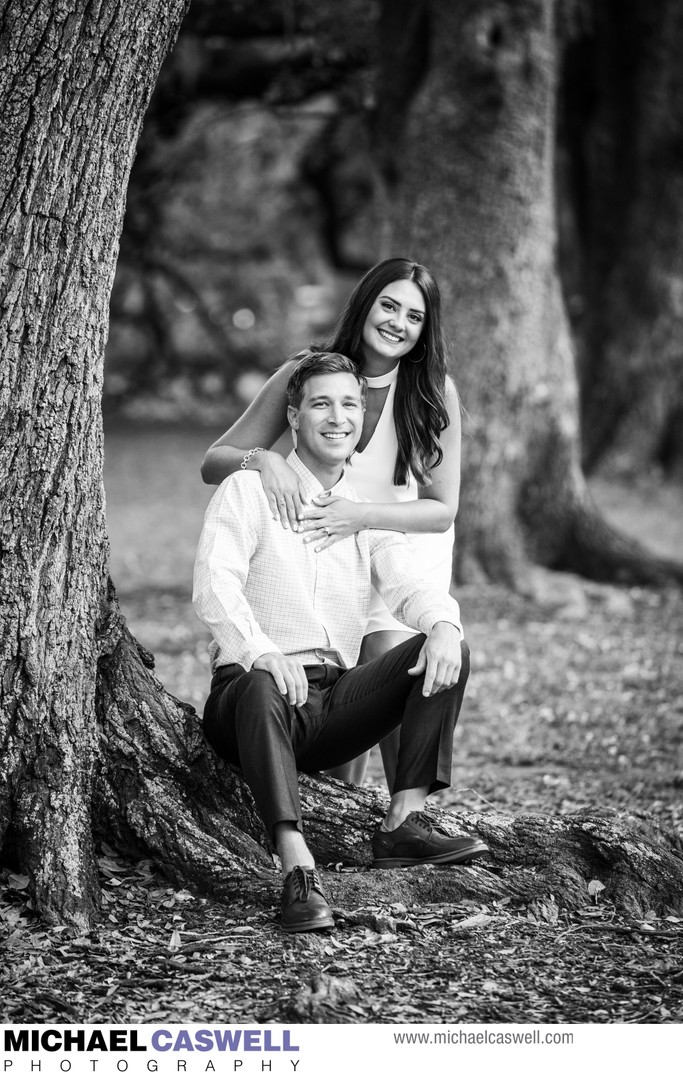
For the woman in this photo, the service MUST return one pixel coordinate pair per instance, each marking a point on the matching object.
(407, 463)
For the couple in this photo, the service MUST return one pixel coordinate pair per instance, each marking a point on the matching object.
(287, 618)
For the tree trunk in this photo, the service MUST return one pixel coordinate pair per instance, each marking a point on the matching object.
(627, 194)
(469, 189)
(74, 82)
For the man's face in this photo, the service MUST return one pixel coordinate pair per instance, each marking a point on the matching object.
(329, 419)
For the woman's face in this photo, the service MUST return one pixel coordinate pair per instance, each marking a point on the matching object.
(395, 322)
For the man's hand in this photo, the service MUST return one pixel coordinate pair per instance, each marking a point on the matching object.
(288, 674)
(440, 659)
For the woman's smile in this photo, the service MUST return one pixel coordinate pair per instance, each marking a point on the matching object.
(395, 322)
(391, 337)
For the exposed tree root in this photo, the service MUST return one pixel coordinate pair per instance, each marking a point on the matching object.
(162, 793)
(596, 550)
(532, 856)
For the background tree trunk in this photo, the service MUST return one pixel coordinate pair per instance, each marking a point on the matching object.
(623, 123)
(469, 188)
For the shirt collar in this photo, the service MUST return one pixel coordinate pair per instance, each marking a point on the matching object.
(310, 483)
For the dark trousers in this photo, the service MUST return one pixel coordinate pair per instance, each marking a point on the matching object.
(249, 723)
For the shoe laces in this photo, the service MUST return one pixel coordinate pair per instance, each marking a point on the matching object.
(305, 879)
(420, 819)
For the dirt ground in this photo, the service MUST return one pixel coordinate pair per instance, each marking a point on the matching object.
(564, 711)
(575, 700)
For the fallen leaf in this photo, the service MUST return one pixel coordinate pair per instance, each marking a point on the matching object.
(18, 881)
(472, 921)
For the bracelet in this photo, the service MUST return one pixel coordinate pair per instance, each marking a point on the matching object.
(248, 455)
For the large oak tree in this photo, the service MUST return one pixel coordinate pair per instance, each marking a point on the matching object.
(75, 79)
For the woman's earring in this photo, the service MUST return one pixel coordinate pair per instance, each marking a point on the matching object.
(421, 357)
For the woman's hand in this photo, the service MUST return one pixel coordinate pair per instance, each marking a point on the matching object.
(282, 488)
(329, 519)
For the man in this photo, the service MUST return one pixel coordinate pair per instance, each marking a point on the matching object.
(287, 624)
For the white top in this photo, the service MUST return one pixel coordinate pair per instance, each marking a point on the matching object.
(259, 588)
(371, 472)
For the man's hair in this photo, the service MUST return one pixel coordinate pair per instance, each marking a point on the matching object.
(321, 362)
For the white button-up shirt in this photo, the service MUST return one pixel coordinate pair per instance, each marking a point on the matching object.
(260, 589)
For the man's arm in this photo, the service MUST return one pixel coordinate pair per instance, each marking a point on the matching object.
(412, 599)
(228, 540)
(418, 604)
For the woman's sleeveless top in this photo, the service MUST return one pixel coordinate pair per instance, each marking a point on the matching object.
(371, 473)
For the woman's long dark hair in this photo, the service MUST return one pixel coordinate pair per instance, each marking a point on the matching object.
(419, 406)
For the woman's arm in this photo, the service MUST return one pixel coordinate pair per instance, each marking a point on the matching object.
(433, 511)
(261, 425)
(263, 422)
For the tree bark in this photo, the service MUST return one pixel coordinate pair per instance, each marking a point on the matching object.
(75, 80)
(469, 189)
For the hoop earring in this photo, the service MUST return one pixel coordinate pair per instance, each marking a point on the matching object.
(424, 352)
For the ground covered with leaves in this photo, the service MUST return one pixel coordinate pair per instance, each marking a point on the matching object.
(574, 701)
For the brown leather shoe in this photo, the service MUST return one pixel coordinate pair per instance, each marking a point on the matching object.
(417, 840)
(303, 902)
